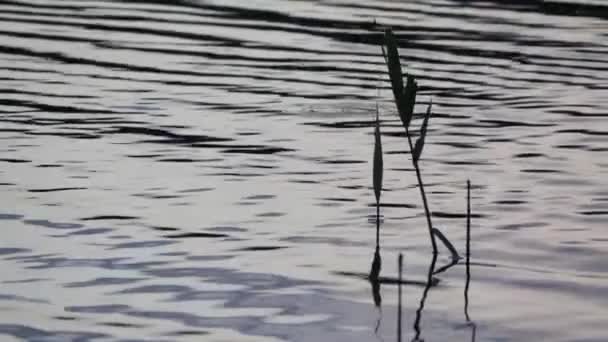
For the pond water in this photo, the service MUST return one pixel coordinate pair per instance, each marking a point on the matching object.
(201, 170)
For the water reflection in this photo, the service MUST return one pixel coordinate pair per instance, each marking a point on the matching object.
(430, 281)
(374, 277)
(374, 273)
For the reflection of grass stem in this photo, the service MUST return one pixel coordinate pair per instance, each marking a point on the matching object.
(429, 284)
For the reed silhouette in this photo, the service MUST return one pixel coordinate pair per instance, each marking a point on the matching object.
(399, 298)
(405, 100)
(431, 281)
(468, 267)
(468, 254)
(378, 170)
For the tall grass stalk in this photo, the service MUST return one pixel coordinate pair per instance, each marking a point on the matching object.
(405, 99)
(377, 172)
(399, 317)
(468, 254)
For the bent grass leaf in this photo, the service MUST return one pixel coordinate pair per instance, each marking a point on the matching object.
(447, 243)
(420, 142)
(378, 162)
(408, 100)
(391, 56)
(404, 98)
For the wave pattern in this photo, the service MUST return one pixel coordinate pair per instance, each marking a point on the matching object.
(181, 170)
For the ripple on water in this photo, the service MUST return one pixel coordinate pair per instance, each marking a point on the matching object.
(34, 334)
(169, 167)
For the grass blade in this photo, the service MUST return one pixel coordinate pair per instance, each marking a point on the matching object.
(404, 98)
(378, 168)
(447, 243)
(391, 56)
(408, 100)
(420, 142)
(468, 255)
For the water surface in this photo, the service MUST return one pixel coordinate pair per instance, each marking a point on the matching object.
(200, 170)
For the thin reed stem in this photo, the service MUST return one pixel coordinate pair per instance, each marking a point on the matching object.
(422, 193)
(399, 315)
(377, 224)
(468, 253)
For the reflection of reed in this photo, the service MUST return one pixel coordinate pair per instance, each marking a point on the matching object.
(374, 273)
(452, 263)
(473, 330)
(374, 277)
(430, 282)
